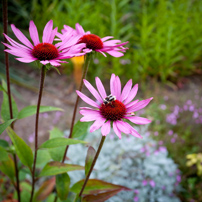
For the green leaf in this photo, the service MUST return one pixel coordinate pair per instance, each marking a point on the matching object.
(31, 110)
(55, 168)
(95, 186)
(4, 143)
(56, 153)
(62, 185)
(89, 159)
(60, 141)
(5, 110)
(4, 125)
(23, 151)
(43, 157)
(80, 128)
(7, 167)
(3, 154)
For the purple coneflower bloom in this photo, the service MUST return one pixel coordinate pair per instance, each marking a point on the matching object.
(46, 52)
(115, 108)
(93, 42)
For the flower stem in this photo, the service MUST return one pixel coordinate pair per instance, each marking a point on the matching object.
(92, 165)
(5, 24)
(86, 65)
(43, 74)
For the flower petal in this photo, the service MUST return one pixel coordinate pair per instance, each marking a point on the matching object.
(87, 100)
(126, 90)
(123, 127)
(106, 128)
(118, 88)
(93, 91)
(47, 32)
(133, 132)
(106, 38)
(113, 85)
(33, 33)
(116, 130)
(97, 124)
(100, 88)
(21, 36)
(132, 94)
(138, 120)
(131, 104)
(25, 60)
(115, 53)
(79, 29)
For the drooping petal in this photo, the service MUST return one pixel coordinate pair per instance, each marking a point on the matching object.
(100, 88)
(106, 128)
(97, 124)
(116, 130)
(132, 94)
(25, 60)
(116, 54)
(126, 90)
(47, 32)
(21, 36)
(54, 63)
(87, 100)
(133, 132)
(92, 90)
(138, 120)
(33, 33)
(44, 62)
(139, 105)
(123, 127)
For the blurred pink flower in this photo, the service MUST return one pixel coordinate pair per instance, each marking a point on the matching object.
(46, 52)
(93, 42)
(113, 108)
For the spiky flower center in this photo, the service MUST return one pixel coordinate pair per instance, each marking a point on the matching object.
(92, 41)
(113, 111)
(45, 51)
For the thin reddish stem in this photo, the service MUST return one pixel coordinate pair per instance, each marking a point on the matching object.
(43, 73)
(5, 25)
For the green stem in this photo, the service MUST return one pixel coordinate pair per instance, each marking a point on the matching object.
(43, 74)
(86, 65)
(5, 24)
(92, 165)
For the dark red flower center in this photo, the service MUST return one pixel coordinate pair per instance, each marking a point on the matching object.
(113, 111)
(45, 51)
(92, 41)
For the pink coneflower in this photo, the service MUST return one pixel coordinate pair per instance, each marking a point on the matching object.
(115, 108)
(46, 52)
(94, 42)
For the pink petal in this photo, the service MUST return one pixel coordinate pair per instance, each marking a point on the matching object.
(97, 124)
(132, 94)
(115, 53)
(25, 60)
(106, 128)
(126, 90)
(54, 63)
(123, 127)
(101, 52)
(52, 36)
(100, 88)
(45, 62)
(138, 120)
(131, 104)
(33, 33)
(87, 100)
(106, 38)
(21, 36)
(111, 43)
(93, 91)
(118, 88)
(47, 32)
(88, 118)
(86, 112)
(133, 132)
(79, 29)
(139, 105)
(116, 130)
(113, 85)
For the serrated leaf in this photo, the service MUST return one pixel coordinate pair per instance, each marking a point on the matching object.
(80, 128)
(4, 125)
(55, 168)
(60, 141)
(95, 186)
(89, 159)
(7, 167)
(23, 151)
(5, 111)
(62, 185)
(56, 153)
(3, 154)
(4, 143)
(45, 189)
(31, 110)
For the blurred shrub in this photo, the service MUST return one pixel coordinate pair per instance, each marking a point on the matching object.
(165, 36)
(140, 164)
